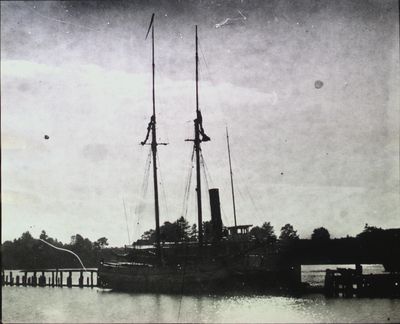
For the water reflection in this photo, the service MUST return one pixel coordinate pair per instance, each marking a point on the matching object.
(46, 304)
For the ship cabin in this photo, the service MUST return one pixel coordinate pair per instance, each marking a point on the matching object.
(238, 230)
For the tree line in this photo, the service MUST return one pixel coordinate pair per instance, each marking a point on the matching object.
(182, 231)
(26, 252)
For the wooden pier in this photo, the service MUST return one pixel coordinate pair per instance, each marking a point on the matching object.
(50, 278)
(350, 283)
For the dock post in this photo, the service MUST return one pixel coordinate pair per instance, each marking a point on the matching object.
(34, 279)
(11, 279)
(57, 277)
(81, 280)
(61, 279)
(24, 279)
(52, 278)
(2, 278)
(42, 280)
(7, 280)
(87, 282)
(17, 280)
(49, 284)
(348, 284)
(69, 280)
(91, 278)
(29, 281)
(328, 286)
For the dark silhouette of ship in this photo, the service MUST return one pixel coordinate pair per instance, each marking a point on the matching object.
(231, 260)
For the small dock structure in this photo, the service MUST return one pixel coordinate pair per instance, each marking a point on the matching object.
(50, 278)
(349, 283)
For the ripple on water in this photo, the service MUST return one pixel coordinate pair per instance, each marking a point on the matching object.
(27, 304)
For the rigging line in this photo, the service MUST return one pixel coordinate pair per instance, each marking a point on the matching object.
(205, 62)
(239, 175)
(207, 171)
(145, 183)
(162, 185)
(144, 186)
(126, 220)
(257, 210)
(187, 185)
(188, 193)
(207, 70)
(206, 180)
(65, 250)
(204, 173)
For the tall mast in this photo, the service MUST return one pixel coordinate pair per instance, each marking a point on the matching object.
(197, 149)
(199, 136)
(152, 128)
(230, 168)
(154, 151)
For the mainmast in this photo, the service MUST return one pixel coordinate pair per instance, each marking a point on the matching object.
(152, 127)
(230, 168)
(197, 149)
(199, 136)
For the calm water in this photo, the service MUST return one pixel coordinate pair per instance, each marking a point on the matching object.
(27, 304)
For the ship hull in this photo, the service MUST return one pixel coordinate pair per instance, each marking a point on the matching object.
(191, 279)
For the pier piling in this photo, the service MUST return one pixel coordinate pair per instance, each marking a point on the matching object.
(69, 280)
(11, 279)
(81, 280)
(34, 279)
(42, 280)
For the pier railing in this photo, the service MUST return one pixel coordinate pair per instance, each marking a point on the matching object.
(50, 278)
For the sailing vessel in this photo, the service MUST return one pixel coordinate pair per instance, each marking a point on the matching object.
(224, 263)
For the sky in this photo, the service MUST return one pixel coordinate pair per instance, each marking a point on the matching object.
(308, 91)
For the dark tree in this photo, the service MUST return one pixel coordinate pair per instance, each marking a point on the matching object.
(193, 233)
(182, 227)
(288, 233)
(320, 234)
(43, 235)
(264, 233)
(371, 232)
(149, 236)
(169, 232)
(101, 243)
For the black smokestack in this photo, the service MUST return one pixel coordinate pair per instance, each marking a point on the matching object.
(215, 214)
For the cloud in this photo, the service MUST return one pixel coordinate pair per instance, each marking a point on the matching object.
(17, 198)
(95, 152)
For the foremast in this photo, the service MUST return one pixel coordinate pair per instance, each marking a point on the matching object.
(152, 128)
